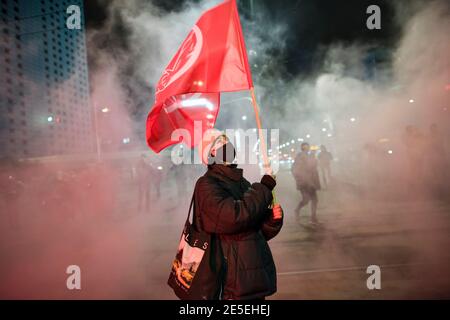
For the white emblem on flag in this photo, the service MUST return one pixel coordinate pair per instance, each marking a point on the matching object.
(184, 59)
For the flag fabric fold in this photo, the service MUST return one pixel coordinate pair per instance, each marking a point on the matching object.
(212, 59)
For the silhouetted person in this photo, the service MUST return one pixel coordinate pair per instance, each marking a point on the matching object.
(143, 173)
(307, 179)
(156, 175)
(105, 181)
(180, 179)
(10, 190)
(414, 142)
(325, 159)
(436, 171)
(370, 175)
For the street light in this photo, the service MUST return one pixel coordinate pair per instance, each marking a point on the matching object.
(50, 119)
(105, 110)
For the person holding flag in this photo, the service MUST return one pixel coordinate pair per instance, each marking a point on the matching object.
(241, 216)
(238, 213)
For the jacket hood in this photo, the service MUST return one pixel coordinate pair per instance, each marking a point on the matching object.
(229, 171)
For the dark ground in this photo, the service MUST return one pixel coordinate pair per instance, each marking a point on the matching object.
(127, 255)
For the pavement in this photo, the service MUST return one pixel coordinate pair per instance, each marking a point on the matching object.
(128, 255)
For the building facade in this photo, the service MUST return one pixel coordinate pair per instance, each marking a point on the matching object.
(44, 86)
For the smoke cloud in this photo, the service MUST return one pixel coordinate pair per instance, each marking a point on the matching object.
(363, 95)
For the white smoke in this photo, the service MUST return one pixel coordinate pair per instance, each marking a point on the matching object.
(128, 254)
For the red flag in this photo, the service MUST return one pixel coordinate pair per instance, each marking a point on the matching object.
(212, 59)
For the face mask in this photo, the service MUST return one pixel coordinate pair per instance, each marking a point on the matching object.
(224, 154)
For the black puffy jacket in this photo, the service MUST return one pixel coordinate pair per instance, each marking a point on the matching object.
(237, 213)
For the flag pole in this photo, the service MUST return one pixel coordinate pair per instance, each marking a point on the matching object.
(262, 141)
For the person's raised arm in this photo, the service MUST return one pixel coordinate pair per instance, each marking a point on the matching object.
(221, 214)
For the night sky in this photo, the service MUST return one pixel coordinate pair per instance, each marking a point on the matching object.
(313, 25)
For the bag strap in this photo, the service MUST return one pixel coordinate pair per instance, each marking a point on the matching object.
(193, 215)
(190, 209)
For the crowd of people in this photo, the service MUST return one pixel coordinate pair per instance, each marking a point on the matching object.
(94, 189)
(76, 191)
(148, 177)
(415, 168)
(426, 159)
(420, 165)
(61, 192)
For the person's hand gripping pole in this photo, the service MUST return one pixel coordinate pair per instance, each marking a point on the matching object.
(276, 207)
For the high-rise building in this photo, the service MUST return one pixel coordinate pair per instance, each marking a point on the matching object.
(44, 87)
